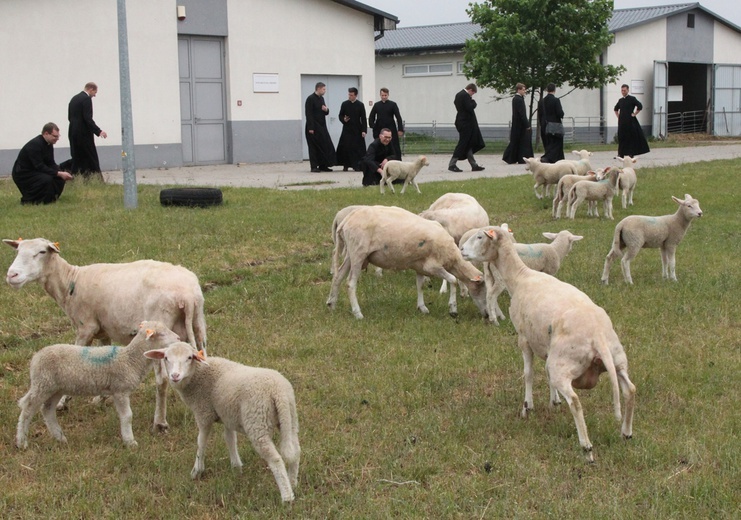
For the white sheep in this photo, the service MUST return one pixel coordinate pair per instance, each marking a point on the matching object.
(108, 301)
(253, 401)
(394, 238)
(567, 182)
(594, 191)
(59, 370)
(582, 164)
(547, 174)
(457, 213)
(665, 232)
(627, 179)
(406, 171)
(560, 324)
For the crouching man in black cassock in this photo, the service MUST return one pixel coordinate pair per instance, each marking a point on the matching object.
(39, 179)
(379, 153)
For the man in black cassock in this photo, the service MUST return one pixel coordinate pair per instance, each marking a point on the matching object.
(82, 130)
(470, 139)
(351, 148)
(39, 179)
(321, 149)
(520, 144)
(631, 141)
(552, 113)
(385, 114)
(379, 153)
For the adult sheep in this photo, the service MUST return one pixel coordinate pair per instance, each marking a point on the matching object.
(107, 302)
(560, 324)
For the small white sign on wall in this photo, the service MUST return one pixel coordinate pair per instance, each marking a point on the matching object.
(265, 83)
(637, 86)
(674, 93)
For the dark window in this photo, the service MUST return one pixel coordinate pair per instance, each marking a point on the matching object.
(691, 21)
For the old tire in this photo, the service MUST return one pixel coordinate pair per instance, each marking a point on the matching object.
(193, 197)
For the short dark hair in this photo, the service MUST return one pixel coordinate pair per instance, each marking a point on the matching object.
(384, 90)
(91, 86)
(385, 130)
(625, 85)
(353, 90)
(319, 85)
(551, 87)
(472, 86)
(49, 128)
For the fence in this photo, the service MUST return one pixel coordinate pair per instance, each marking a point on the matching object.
(691, 122)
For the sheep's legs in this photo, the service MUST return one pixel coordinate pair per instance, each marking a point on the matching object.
(667, 263)
(494, 287)
(629, 391)
(30, 404)
(266, 449)
(563, 385)
(291, 453)
(160, 400)
(230, 438)
(123, 407)
(352, 288)
(527, 358)
(611, 256)
(339, 275)
(625, 264)
(49, 411)
(203, 432)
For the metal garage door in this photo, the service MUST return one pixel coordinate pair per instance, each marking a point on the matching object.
(727, 100)
(661, 81)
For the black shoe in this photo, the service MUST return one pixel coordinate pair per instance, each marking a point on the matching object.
(454, 169)
(345, 169)
(477, 168)
(325, 169)
(315, 170)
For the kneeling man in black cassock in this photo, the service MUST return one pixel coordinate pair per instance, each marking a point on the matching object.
(379, 153)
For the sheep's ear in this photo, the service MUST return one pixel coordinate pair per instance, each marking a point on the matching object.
(478, 280)
(54, 246)
(675, 199)
(607, 169)
(687, 196)
(150, 333)
(201, 357)
(12, 243)
(575, 238)
(155, 354)
(550, 236)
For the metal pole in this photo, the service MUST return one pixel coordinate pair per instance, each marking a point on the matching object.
(127, 124)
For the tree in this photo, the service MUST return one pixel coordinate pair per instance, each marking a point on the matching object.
(537, 42)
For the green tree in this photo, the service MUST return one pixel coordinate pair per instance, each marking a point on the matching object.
(537, 42)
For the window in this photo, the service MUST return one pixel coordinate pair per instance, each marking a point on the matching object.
(691, 21)
(460, 67)
(433, 69)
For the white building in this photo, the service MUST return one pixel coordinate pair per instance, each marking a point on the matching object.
(226, 84)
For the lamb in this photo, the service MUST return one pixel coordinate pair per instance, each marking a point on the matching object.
(546, 174)
(59, 370)
(567, 182)
(407, 171)
(254, 401)
(627, 179)
(596, 191)
(560, 324)
(457, 213)
(394, 238)
(665, 232)
(108, 301)
(583, 166)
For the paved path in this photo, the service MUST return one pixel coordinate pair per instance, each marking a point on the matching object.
(296, 175)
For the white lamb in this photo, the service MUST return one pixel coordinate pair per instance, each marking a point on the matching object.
(594, 191)
(665, 232)
(253, 401)
(406, 171)
(582, 164)
(457, 213)
(59, 370)
(394, 238)
(561, 325)
(546, 174)
(108, 301)
(627, 180)
(567, 182)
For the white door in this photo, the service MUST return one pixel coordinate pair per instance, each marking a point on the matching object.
(661, 80)
(727, 100)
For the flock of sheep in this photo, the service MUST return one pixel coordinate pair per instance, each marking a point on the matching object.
(150, 306)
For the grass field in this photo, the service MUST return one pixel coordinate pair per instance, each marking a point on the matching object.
(402, 415)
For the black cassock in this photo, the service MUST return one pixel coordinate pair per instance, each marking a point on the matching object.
(351, 148)
(82, 130)
(553, 144)
(377, 152)
(321, 149)
(469, 133)
(385, 114)
(35, 173)
(631, 141)
(520, 144)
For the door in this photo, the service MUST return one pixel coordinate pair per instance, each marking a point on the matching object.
(661, 82)
(202, 95)
(336, 93)
(727, 100)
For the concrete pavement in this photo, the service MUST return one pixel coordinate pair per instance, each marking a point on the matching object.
(296, 175)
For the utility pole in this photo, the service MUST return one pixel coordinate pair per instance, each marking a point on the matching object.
(127, 123)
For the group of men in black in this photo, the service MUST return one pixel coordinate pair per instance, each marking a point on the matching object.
(36, 174)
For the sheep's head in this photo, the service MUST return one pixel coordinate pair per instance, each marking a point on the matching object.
(30, 261)
(180, 360)
(689, 205)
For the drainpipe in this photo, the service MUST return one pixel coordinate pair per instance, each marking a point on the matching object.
(602, 118)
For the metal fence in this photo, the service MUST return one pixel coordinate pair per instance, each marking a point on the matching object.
(691, 122)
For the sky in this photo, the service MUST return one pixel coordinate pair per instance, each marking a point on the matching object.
(431, 12)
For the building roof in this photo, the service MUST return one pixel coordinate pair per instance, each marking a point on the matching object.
(453, 36)
(382, 21)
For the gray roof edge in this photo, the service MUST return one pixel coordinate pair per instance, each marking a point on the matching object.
(365, 8)
(684, 9)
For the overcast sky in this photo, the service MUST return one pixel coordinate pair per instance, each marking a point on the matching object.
(430, 12)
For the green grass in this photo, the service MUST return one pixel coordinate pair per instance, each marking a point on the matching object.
(402, 415)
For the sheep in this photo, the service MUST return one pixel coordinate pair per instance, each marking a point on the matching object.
(108, 301)
(604, 190)
(457, 213)
(560, 324)
(565, 184)
(407, 171)
(394, 238)
(627, 179)
(59, 370)
(583, 166)
(254, 401)
(546, 174)
(665, 232)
